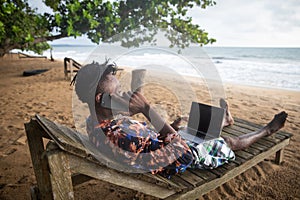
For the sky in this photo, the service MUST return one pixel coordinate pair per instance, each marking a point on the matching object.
(271, 23)
(236, 23)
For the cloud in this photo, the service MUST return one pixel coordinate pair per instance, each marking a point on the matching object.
(284, 14)
(251, 23)
(41, 7)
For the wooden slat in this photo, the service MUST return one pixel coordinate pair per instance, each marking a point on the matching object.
(205, 188)
(243, 154)
(220, 171)
(245, 122)
(287, 135)
(171, 185)
(248, 125)
(238, 160)
(191, 178)
(259, 146)
(204, 174)
(66, 140)
(156, 179)
(231, 131)
(230, 165)
(184, 185)
(83, 166)
(264, 142)
(252, 150)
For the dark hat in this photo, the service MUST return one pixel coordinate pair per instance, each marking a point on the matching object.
(88, 77)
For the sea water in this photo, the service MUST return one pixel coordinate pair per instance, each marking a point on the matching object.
(266, 67)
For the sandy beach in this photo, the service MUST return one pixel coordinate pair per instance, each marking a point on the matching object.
(50, 95)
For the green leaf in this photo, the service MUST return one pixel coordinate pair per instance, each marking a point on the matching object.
(2, 30)
(8, 8)
(101, 20)
(29, 38)
(16, 29)
(106, 19)
(94, 24)
(57, 18)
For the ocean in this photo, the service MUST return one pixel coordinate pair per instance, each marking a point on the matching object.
(264, 67)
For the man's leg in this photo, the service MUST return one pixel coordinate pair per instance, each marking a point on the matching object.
(244, 141)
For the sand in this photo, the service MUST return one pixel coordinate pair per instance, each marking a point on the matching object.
(50, 95)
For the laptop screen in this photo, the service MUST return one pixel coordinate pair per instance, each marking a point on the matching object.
(205, 121)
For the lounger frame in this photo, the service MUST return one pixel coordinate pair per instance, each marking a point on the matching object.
(64, 162)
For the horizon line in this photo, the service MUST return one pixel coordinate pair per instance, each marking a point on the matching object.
(205, 46)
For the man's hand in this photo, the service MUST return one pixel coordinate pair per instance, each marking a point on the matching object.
(133, 102)
(177, 122)
(137, 103)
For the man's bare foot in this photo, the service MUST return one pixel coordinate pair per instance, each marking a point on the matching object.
(276, 123)
(228, 120)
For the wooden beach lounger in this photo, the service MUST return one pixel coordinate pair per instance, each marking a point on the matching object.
(71, 66)
(23, 55)
(65, 163)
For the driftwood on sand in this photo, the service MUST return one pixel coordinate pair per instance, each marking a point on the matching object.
(24, 55)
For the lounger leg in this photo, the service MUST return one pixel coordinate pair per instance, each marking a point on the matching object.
(66, 68)
(60, 173)
(34, 192)
(279, 156)
(39, 161)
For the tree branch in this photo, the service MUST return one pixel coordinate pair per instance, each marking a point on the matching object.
(49, 38)
(7, 47)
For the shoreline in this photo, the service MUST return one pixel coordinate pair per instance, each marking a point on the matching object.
(262, 87)
(224, 83)
(260, 78)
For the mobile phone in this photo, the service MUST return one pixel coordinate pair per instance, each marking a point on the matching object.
(108, 102)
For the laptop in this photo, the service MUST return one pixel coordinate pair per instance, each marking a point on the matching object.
(205, 123)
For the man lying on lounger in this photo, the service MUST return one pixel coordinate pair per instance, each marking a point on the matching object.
(132, 140)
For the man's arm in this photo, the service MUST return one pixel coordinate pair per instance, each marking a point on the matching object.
(139, 104)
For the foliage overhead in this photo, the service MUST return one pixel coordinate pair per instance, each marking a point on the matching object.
(24, 28)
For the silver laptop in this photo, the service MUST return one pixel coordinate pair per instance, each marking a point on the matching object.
(205, 123)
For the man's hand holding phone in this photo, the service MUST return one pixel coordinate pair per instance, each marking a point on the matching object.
(130, 103)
